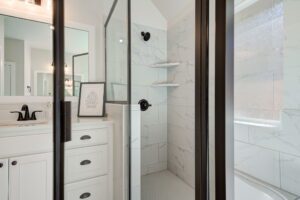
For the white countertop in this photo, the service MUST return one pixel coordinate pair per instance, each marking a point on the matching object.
(44, 128)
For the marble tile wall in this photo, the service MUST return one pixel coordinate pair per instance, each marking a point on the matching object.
(154, 120)
(259, 41)
(270, 154)
(181, 105)
(267, 68)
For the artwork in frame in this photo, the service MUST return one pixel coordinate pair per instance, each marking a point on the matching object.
(91, 99)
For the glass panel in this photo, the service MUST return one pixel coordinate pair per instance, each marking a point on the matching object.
(80, 67)
(117, 53)
(163, 75)
(77, 64)
(267, 157)
(96, 162)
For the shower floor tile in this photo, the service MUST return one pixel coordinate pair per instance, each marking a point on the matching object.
(165, 186)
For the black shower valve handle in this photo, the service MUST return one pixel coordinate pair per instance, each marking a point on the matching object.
(144, 104)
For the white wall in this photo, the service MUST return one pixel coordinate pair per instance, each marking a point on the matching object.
(90, 13)
(144, 12)
(173, 9)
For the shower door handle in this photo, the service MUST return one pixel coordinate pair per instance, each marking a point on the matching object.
(68, 121)
(144, 104)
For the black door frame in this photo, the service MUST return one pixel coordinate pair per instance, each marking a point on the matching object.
(201, 95)
(224, 104)
(58, 100)
(201, 99)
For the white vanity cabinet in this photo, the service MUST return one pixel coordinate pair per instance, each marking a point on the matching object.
(26, 168)
(30, 177)
(3, 179)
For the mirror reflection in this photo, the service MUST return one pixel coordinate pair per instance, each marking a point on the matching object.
(28, 63)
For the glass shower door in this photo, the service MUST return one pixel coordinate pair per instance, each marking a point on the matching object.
(266, 109)
(162, 95)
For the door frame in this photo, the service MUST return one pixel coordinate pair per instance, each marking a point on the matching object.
(201, 99)
(201, 93)
(59, 123)
(224, 100)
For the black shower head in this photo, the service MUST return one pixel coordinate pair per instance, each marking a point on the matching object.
(146, 36)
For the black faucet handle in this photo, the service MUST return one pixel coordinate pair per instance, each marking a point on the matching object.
(33, 115)
(20, 116)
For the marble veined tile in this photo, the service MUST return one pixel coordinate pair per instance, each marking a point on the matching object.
(290, 173)
(258, 162)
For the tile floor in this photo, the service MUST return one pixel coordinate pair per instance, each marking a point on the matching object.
(165, 186)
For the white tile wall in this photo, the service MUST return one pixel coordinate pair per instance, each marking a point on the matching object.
(266, 85)
(258, 162)
(181, 105)
(154, 120)
(290, 173)
(259, 42)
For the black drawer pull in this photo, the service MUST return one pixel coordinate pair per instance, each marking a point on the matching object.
(85, 195)
(1, 165)
(85, 137)
(14, 163)
(85, 162)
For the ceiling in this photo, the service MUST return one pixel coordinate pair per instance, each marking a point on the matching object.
(39, 35)
(170, 9)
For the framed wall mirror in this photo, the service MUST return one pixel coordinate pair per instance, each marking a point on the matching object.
(27, 60)
(28, 63)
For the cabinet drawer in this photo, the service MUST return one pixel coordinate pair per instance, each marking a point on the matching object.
(22, 145)
(93, 189)
(86, 163)
(88, 137)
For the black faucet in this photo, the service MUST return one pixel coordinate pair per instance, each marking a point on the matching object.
(26, 109)
(27, 115)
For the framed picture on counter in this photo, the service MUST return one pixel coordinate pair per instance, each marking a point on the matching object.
(91, 99)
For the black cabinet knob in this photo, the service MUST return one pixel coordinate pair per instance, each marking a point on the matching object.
(85, 137)
(1, 165)
(85, 162)
(14, 163)
(85, 195)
